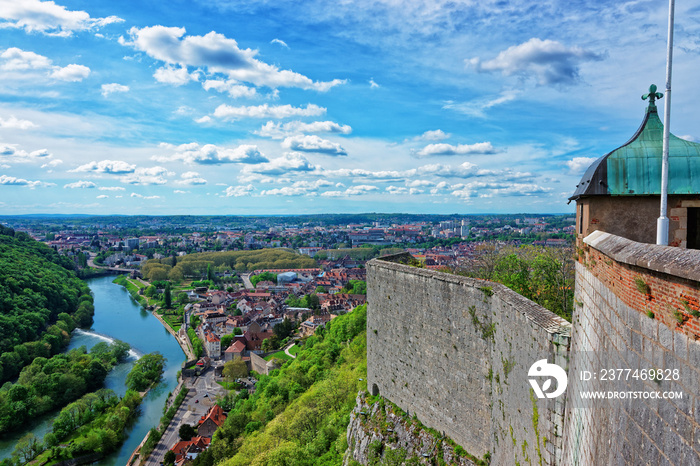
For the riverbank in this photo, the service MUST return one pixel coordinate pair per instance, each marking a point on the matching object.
(180, 337)
(118, 316)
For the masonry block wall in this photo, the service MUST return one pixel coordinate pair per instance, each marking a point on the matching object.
(636, 307)
(456, 351)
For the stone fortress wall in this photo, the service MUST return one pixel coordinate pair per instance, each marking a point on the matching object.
(456, 352)
(636, 308)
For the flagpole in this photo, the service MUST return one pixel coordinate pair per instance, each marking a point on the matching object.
(662, 221)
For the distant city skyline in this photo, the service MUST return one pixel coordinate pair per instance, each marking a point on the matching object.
(283, 108)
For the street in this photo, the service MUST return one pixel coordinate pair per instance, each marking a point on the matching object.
(203, 394)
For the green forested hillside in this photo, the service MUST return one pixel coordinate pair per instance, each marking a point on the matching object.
(299, 414)
(41, 300)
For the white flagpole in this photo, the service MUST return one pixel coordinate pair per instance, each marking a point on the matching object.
(662, 221)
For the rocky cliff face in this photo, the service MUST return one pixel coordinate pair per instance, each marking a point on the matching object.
(380, 433)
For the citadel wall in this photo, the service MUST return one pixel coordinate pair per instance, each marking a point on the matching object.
(636, 307)
(455, 352)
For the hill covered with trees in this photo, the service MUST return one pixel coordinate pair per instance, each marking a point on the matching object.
(299, 413)
(41, 301)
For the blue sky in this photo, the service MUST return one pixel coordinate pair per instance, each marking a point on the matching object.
(291, 107)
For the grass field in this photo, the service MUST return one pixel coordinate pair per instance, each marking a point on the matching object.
(279, 355)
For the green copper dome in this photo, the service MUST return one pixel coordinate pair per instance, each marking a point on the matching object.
(634, 169)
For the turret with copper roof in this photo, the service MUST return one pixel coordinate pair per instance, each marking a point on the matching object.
(620, 192)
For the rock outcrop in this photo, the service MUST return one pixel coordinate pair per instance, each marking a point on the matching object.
(380, 433)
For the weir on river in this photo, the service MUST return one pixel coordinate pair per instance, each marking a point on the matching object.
(118, 316)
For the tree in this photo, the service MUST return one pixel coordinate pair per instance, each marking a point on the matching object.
(150, 291)
(182, 298)
(226, 341)
(312, 301)
(269, 344)
(284, 329)
(235, 369)
(27, 447)
(186, 432)
(169, 458)
(147, 370)
(168, 299)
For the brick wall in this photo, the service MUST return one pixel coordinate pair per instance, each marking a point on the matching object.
(619, 285)
(456, 351)
(648, 278)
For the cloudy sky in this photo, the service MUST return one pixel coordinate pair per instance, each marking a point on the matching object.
(286, 107)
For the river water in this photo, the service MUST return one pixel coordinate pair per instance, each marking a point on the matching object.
(118, 316)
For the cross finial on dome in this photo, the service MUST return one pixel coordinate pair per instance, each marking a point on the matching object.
(652, 95)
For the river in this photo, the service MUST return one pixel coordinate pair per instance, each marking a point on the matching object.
(118, 316)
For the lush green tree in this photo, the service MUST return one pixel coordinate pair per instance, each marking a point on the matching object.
(226, 341)
(147, 370)
(284, 329)
(150, 291)
(169, 459)
(37, 285)
(167, 297)
(235, 369)
(270, 344)
(265, 276)
(186, 432)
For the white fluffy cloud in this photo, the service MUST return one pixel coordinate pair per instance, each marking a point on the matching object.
(280, 42)
(433, 135)
(300, 188)
(497, 188)
(227, 112)
(209, 154)
(111, 188)
(460, 149)
(106, 166)
(111, 88)
(52, 164)
(73, 73)
(218, 54)
(281, 130)
(80, 185)
(578, 165)
(289, 162)
(10, 153)
(358, 190)
(232, 87)
(551, 62)
(313, 143)
(48, 18)
(11, 180)
(146, 176)
(15, 59)
(191, 179)
(174, 75)
(15, 123)
(239, 191)
(141, 196)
